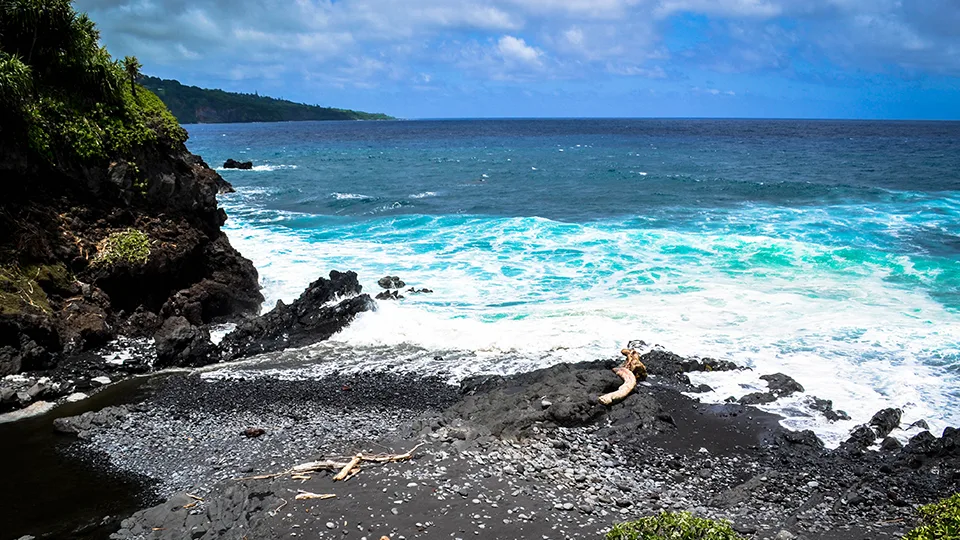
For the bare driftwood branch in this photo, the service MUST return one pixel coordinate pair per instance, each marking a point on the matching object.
(347, 467)
(342, 475)
(631, 370)
(306, 495)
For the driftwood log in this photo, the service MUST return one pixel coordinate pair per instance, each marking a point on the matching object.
(347, 469)
(631, 371)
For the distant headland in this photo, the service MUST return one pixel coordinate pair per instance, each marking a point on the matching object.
(194, 105)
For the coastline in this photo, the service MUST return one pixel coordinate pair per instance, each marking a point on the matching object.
(524, 456)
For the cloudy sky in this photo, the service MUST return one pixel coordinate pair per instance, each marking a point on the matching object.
(558, 58)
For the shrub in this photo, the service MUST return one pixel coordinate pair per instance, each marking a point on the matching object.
(130, 246)
(673, 526)
(938, 521)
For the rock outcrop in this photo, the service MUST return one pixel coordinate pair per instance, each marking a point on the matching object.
(234, 164)
(322, 310)
(92, 251)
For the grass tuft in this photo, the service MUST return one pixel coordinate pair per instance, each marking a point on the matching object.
(129, 246)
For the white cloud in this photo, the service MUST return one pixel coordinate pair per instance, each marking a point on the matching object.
(516, 50)
(517, 39)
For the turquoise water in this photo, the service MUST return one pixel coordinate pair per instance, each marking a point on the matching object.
(827, 250)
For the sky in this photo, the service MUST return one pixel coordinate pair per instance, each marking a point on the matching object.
(897, 59)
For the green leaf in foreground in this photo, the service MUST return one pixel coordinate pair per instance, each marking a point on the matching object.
(938, 521)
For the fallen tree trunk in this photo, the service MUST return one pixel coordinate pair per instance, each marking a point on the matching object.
(631, 370)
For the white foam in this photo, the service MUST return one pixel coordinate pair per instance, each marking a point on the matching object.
(261, 168)
(424, 195)
(517, 294)
(350, 196)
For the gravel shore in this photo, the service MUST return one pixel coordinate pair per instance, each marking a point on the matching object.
(527, 456)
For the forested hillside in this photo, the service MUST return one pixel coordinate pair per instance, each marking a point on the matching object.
(194, 105)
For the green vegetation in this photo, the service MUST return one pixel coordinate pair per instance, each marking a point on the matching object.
(63, 99)
(28, 286)
(130, 246)
(938, 521)
(193, 105)
(673, 526)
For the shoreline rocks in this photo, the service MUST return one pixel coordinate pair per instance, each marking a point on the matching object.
(523, 455)
(324, 308)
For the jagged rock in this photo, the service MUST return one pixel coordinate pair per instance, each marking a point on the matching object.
(389, 295)
(860, 439)
(179, 343)
(224, 293)
(414, 290)
(885, 421)
(675, 367)
(307, 320)
(781, 385)
(825, 406)
(391, 282)
(802, 438)
(890, 444)
(757, 398)
(234, 164)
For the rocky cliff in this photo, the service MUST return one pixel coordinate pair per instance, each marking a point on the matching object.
(91, 253)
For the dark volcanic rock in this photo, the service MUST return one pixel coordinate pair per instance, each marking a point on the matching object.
(54, 220)
(234, 164)
(179, 343)
(779, 385)
(825, 406)
(562, 395)
(389, 295)
(311, 318)
(675, 367)
(885, 421)
(391, 282)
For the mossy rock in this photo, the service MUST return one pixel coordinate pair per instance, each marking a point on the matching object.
(938, 521)
(673, 526)
(19, 291)
(128, 247)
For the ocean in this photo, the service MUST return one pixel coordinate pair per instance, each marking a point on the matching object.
(826, 250)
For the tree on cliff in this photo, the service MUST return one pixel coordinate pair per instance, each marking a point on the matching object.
(132, 66)
(63, 99)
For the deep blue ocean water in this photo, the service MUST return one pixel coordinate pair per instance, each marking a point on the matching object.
(827, 250)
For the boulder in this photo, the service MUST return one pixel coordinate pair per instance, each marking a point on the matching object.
(180, 343)
(391, 282)
(234, 164)
(825, 406)
(885, 421)
(325, 308)
(779, 386)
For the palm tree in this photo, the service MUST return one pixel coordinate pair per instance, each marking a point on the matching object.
(132, 66)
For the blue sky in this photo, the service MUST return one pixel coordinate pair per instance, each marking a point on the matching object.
(558, 58)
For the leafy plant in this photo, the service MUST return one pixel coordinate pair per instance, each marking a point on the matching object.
(673, 526)
(938, 521)
(129, 246)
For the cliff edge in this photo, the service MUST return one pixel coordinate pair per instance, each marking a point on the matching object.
(108, 224)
